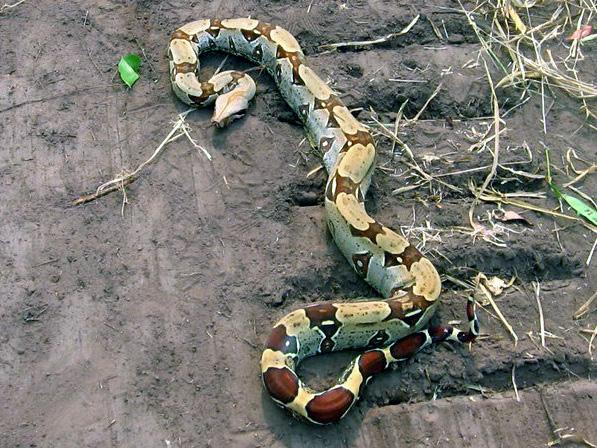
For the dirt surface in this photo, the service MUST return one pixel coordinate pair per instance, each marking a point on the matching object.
(144, 329)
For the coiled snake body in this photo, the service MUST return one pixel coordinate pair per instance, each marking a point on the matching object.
(392, 329)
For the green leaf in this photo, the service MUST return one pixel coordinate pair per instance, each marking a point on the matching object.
(581, 207)
(128, 67)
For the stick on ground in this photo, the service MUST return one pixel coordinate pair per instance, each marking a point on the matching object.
(126, 178)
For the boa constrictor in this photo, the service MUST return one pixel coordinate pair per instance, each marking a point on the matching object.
(392, 329)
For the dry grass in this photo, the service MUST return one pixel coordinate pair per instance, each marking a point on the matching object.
(179, 129)
(529, 34)
(526, 40)
(365, 43)
(533, 39)
(585, 307)
(488, 289)
(6, 6)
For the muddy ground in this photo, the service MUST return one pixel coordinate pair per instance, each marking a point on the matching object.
(144, 329)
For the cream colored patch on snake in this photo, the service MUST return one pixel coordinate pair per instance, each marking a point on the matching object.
(391, 242)
(428, 283)
(285, 40)
(273, 358)
(220, 80)
(241, 23)
(318, 88)
(182, 51)
(354, 381)
(362, 313)
(189, 80)
(388, 354)
(348, 123)
(353, 211)
(196, 27)
(301, 400)
(356, 162)
(295, 322)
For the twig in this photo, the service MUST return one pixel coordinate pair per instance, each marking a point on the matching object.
(580, 173)
(98, 194)
(145, 56)
(195, 144)
(412, 81)
(53, 260)
(496, 132)
(514, 382)
(499, 313)
(496, 196)
(125, 200)
(314, 171)
(111, 327)
(433, 95)
(33, 316)
(556, 430)
(414, 165)
(248, 342)
(591, 253)
(362, 43)
(126, 178)
(221, 65)
(397, 125)
(591, 341)
(56, 97)
(7, 6)
(584, 308)
(537, 287)
(496, 151)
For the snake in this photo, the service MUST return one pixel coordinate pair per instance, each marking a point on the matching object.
(387, 330)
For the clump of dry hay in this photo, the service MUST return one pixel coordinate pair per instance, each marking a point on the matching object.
(543, 42)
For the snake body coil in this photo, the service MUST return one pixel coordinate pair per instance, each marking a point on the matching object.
(392, 329)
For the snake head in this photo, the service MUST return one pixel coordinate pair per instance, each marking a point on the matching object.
(232, 104)
(229, 107)
(234, 100)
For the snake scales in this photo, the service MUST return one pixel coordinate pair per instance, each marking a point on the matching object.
(392, 329)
